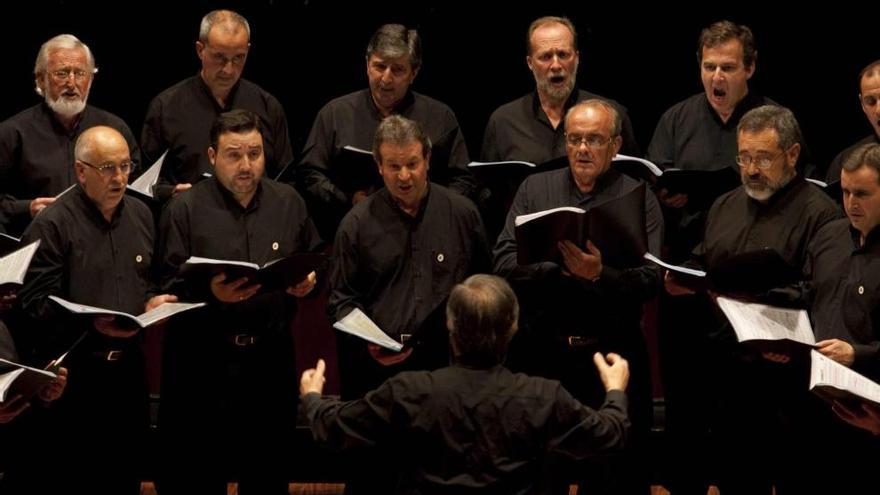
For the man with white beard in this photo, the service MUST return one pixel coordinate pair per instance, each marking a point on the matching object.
(36, 145)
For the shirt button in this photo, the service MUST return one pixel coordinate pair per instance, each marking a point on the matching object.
(861, 289)
(440, 258)
(274, 246)
(139, 258)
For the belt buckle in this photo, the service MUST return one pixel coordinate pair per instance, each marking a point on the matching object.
(578, 341)
(244, 340)
(405, 337)
(113, 355)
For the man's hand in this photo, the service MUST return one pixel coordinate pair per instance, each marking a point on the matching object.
(39, 204)
(159, 300)
(312, 380)
(179, 188)
(7, 300)
(672, 200)
(53, 390)
(586, 265)
(303, 288)
(232, 292)
(107, 325)
(386, 357)
(838, 350)
(613, 370)
(12, 408)
(866, 417)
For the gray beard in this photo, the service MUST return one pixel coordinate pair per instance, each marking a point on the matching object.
(65, 107)
(769, 190)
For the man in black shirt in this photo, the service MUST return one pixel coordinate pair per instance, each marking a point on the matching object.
(398, 254)
(585, 304)
(474, 427)
(869, 95)
(698, 133)
(242, 338)
(776, 209)
(394, 57)
(179, 119)
(36, 145)
(96, 247)
(529, 128)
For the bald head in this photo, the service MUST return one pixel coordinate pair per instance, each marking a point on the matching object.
(97, 139)
(102, 165)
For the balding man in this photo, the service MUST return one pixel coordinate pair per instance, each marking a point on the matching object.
(36, 145)
(179, 119)
(96, 248)
(584, 304)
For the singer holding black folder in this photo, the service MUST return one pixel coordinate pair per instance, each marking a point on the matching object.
(239, 420)
(572, 310)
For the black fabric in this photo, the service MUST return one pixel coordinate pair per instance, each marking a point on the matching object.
(470, 430)
(36, 157)
(179, 120)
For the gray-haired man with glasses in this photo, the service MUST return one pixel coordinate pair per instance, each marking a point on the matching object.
(775, 209)
(585, 304)
(36, 145)
(96, 246)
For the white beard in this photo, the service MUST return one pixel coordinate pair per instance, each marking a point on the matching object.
(66, 107)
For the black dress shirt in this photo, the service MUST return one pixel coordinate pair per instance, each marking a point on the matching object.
(86, 259)
(471, 430)
(836, 166)
(846, 279)
(351, 120)
(613, 302)
(397, 268)
(520, 130)
(36, 157)
(179, 119)
(786, 223)
(691, 136)
(207, 221)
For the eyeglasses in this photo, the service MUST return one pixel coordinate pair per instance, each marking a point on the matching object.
(109, 169)
(64, 74)
(592, 141)
(763, 162)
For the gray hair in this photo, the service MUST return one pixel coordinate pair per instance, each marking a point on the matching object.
(216, 17)
(550, 19)
(399, 130)
(616, 120)
(866, 155)
(394, 41)
(779, 119)
(723, 31)
(481, 315)
(61, 42)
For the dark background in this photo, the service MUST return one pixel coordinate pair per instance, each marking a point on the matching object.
(306, 53)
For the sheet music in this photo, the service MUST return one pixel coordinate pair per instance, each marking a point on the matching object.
(14, 265)
(144, 184)
(651, 166)
(753, 321)
(360, 325)
(144, 320)
(825, 372)
(675, 268)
